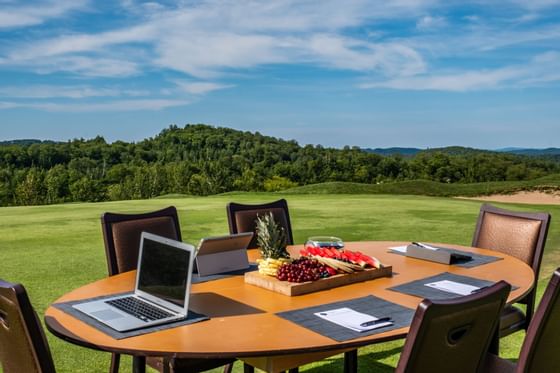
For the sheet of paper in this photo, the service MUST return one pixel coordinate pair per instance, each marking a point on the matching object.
(453, 287)
(351, 319)
(400, 249)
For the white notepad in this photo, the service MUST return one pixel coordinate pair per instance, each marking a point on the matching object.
(351, 319)
(453, 287)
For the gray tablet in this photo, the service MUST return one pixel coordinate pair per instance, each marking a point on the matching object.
(222, 254)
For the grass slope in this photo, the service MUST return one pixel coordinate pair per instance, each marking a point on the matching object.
(54, 249)
(431, 188)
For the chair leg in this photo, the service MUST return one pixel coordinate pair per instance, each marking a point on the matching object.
(495, 344)
(248, 368)
(228, 368)
(351, 361)
(115, 361)
(138, 364)
(166, 365)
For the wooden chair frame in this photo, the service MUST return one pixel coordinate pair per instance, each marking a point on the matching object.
(529, 354)
(428, 309)
(40, 351)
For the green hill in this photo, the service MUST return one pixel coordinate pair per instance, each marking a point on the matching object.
(205, 160)
(431, 188)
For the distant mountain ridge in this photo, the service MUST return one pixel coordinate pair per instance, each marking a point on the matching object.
(403, 151)
(25, 142)
(394, 151)
(533, 152)
(460, 150)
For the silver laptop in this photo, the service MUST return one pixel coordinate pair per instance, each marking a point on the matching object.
(161, 295)
(222, 254)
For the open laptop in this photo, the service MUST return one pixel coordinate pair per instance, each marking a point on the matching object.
(222, 254)
(161, 294)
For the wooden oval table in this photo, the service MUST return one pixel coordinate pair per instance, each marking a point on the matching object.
(243, 323)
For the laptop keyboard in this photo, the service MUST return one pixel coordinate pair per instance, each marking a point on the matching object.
(137, 308)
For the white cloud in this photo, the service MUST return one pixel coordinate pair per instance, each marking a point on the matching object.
(35, 13)
(352, 54)
(73, 92)
(205, 39)
(206, 55)
(430, 23)
(536, 4)
(8, 105)
(198, 88)
(115, 105)
(85, 66)
(458, 82)
(540, 70)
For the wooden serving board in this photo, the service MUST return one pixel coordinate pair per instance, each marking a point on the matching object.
(294, 288)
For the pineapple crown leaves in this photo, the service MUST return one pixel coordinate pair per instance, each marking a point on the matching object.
(271, 237)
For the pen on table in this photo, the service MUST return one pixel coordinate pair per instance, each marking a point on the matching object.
(420, 245)
(375, 322)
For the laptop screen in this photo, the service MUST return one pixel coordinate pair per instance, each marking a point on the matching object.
(164, 271)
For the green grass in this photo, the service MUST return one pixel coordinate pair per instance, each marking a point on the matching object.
(431, 188)
(54, 249)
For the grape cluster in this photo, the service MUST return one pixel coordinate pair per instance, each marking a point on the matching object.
(302, 270)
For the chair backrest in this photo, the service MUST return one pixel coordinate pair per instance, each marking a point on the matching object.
(121, 234)
(23, 346)
(539, 352)
(520, 234)
(242, 218)
(453, 335)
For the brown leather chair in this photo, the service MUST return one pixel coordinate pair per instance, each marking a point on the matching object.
(23, 346)
(242, 218)
(121, 234)
(539, 352)
(453, 335)
(522, 235)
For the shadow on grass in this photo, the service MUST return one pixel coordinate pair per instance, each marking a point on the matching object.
(368, 362)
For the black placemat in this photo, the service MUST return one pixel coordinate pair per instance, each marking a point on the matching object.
(475, 261)
(419, 289)
(196, 279)
(377, 307)
(66, 307)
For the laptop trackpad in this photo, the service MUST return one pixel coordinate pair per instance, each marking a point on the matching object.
(106, 315)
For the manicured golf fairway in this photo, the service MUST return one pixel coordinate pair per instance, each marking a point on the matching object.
(54, 249)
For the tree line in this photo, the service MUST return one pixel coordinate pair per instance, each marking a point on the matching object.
(204, 160)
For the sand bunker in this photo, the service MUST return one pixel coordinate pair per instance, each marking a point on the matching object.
(533, 198)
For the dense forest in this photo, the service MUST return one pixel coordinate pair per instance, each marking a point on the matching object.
(203, 160)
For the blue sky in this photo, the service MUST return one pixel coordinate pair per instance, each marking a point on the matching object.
(422, 73)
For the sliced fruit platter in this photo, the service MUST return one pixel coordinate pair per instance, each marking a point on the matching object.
(317, 268)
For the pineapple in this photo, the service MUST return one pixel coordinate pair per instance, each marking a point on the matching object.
(271, 239)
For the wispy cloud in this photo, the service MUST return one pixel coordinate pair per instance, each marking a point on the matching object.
(540, 70)
(60, 91)
(430, 23)
(208, 38)
(198, 88)
(114, 105)
(206, 44)
(32, 13)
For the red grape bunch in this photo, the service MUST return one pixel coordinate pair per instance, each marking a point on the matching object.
(302, 270)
